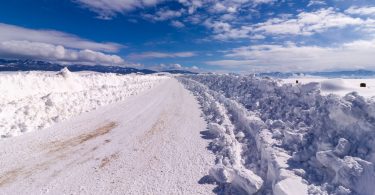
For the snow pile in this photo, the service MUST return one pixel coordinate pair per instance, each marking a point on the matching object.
(285, 138)
(338, 86)
(35, 100)
(226, 145)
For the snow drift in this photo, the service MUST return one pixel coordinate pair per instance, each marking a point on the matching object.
(35, 100)
(279, 138)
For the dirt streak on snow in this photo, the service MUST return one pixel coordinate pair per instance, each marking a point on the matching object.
(148, 144)
(58, 150)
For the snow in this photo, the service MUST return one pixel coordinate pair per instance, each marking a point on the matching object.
(32, 101)
(288, 138)
(94, 133)
(338, 86)
(150, 143)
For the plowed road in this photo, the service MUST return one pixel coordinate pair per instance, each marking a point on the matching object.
(148, 144)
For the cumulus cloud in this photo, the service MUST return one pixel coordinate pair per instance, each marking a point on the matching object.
(316, 2)
(231, 19)
(225, 31)
(19, 42)
(287, 57)
(367, 11)
(303, 24)
(308, 23)
(161, 55)
(56, 53)
(11, 32)
(245, 20)
(164, 14)
(177, 24)
(107, 9)
(174, 66)
(231, 64)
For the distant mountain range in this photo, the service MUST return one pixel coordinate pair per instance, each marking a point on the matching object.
(33, 65)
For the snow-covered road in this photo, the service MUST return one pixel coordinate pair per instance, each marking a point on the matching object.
(148, 144)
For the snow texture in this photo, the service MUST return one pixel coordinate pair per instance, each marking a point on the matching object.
(338, 86)
(34, 100)
(148, 144)
(270, 137)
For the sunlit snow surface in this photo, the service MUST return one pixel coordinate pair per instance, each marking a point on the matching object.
(339, 86)
(278, 137)
(268, 136)
(34, 100)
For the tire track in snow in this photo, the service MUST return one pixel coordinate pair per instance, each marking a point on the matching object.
(156, 128)
(164, 122)
(59, 151)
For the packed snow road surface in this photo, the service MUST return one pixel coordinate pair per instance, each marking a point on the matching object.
(147, 144)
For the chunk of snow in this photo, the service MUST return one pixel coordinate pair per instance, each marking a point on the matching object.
(65, 72)
(290, 186)
(298, 131)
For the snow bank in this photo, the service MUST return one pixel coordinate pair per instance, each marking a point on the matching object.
(226, 145)
(287, 135)
(338, 86)
(34, 100)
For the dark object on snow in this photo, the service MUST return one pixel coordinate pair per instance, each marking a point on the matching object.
(297, 81)
(363, 85)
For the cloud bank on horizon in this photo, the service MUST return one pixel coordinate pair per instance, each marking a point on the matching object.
(218, 35)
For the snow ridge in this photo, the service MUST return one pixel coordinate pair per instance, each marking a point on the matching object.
(293, 138)
(229, 167)
(34, 100)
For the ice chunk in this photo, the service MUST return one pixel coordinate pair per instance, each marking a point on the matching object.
(243, 178)
(65, 72)
(343, 147)
(291, 186)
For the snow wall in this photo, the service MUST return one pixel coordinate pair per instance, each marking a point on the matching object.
(285, 138)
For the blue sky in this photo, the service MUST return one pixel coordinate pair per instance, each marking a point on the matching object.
(205, 35)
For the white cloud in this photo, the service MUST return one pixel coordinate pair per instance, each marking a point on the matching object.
(257, 37)
(303, 24)
(290, 57)
(366, 11)
(11, 32)
(107, 9)
(308, 23)
(161, 55)
(56, 46)
(56, 53)
(263, 1)
(218, 7)
(177, 24)
(192, 5)
(316, 2)
(231, 64)
(175, 66)
(225, 31)
(164, 14)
